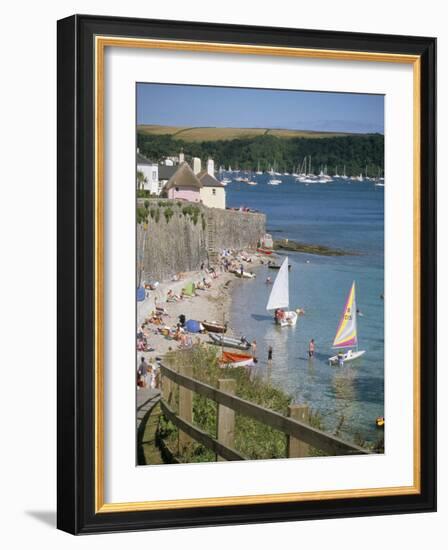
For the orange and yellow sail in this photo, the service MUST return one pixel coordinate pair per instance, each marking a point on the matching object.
(346, 334)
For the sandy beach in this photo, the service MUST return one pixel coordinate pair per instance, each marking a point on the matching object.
(212, 304)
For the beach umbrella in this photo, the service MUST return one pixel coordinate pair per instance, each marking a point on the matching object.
(193, 326)
(189, 289)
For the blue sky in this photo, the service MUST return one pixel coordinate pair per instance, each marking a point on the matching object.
(179, 105)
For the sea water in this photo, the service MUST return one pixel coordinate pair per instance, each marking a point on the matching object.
(346, 215)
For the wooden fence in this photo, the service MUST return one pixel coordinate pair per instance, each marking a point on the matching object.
(300, 434)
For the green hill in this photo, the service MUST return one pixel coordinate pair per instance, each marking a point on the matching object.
(256, 148)
(218, 134)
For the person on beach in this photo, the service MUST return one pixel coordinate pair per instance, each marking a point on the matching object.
(206, 283)
(244, 340)
(311, 348)
(241, 270)
(143, 372)
(270, 355)
(149, 377)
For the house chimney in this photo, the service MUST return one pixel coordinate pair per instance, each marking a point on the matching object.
(138, 150)
(196, 165)
(181, 157)
(211, 167)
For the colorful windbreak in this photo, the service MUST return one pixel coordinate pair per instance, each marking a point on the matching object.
(346, 334)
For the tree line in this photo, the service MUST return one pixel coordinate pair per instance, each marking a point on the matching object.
(355, 152)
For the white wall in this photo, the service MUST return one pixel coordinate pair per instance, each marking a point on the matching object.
(151, 172)
(214, 197)
(28, 275)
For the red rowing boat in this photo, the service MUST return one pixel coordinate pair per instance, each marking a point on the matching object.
(230, 359)
(264, 251)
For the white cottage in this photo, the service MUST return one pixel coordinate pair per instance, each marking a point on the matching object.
(150, 171)
(213, 192)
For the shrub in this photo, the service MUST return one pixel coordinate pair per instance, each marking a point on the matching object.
(168, 213)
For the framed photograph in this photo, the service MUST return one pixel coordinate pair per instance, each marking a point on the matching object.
(246, 274)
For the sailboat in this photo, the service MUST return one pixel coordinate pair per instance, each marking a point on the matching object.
(279, 298)
(346, 333)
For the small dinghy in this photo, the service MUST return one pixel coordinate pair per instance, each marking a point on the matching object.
(347, 333)
(246, 274)
(230, 359)
(229, 342)
(211, 326)
(265, 251)
(276, 266)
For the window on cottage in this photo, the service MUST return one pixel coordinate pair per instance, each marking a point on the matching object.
(214, 191)
(177, 188)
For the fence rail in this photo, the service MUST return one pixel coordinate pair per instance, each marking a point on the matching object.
(301, 435)
(200, 436)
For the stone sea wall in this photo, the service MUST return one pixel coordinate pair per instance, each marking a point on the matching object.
(178, 237)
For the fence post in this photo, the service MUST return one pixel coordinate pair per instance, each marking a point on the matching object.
(167, 388)
(185, 408)
(297, 448)
(226, 416)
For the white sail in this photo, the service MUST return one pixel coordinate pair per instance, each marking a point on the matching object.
(279, 297)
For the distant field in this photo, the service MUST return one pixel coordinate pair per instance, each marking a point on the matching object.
(212, 134)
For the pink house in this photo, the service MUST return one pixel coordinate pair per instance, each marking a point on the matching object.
(183, 185)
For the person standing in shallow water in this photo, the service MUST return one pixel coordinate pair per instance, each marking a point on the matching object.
(254, 349)
(269, 371)
(311, 348)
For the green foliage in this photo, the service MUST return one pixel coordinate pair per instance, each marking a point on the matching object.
(168, 213)
(253, 439)
(353, 151)
(192, 211)
(142, 215)
(203, 221)
(141, 180)
(143, 193)
(157, 215)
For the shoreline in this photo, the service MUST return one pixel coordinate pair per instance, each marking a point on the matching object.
(289, 245)
(212, 304)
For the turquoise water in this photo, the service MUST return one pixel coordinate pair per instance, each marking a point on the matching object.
(340, 214)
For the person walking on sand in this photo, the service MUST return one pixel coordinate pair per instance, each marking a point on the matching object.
(241, 270)
(143, 372)
(270, 354)
(311, 348)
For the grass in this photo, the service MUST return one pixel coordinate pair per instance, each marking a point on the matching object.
(252, 439)
(213, 134)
